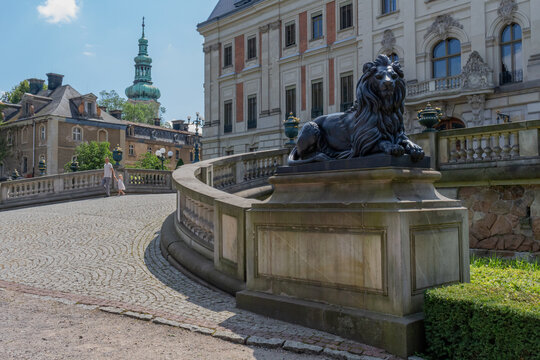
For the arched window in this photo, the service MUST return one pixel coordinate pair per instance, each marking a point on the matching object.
(42, 132)
(103, 136)
(9, 138)
(447, 58)
(394, 57)
(77, 133)
(24, 136)
(511, 55)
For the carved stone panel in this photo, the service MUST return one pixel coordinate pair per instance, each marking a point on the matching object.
(388, 42)
(442, 25)
(506, 10)
(476, 73)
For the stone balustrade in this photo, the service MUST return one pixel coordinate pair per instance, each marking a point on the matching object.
(81, 184)
(434, 85)
(210, 218)
(503, 143)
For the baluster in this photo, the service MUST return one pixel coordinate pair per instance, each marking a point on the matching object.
(496, 148)
(515, 147)
(506, 146)
(487, 148)
(478, 150)
(470, 148)
(462, 153)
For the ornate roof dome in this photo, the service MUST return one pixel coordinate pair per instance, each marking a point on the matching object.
(142, 88)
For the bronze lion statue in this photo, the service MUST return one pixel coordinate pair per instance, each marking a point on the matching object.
(373, 125)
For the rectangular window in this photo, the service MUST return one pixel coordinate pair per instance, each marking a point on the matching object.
(290, 34)
(131, 151)
(89, 109)
(388, 6)
(345, 17)
(229, 152)
(317, 27)
(252, 112)
(227, 117)
(347, 92)
(177, 154)
(227, 56)
(252, 48)
(290, 102)
(316, 99)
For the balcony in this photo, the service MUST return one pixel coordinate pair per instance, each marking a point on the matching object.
(510, 77)
(476, 77)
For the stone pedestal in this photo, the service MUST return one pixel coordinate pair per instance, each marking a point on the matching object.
(350, 250)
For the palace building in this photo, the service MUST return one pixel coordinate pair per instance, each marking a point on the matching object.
(265, 59)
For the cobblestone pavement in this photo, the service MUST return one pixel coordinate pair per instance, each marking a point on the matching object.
(106, 252)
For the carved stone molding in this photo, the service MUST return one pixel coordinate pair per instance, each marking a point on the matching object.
(210, 48)
(264, 28)
(442, 25)
(477, 104)
(388, 42)
(506, 10)
(476, 74)
(275, 25)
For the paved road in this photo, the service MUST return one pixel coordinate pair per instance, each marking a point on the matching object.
(105, 251)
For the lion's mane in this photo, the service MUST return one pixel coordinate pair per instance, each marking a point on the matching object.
(377, 118)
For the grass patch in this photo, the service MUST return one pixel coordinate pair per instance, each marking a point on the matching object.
(496, 316)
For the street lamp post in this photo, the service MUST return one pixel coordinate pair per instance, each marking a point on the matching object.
(199, 121)
(161, 156)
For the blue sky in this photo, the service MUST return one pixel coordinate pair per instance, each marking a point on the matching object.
(93, 43)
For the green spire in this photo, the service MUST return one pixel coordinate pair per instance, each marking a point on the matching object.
(142, 88)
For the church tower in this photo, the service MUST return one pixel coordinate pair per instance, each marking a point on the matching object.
(142, 89)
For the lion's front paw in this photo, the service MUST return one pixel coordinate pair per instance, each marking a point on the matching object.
(415, 151)
(394, 149)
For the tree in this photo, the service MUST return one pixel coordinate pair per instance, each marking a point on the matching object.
(111, 100)
(136, 112)
(15, 95)
(149, 161)
(139, 112)
(91, 156)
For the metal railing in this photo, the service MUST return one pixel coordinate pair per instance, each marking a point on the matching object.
(509, 77)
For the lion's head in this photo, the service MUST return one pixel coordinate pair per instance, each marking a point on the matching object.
(381, 87)
(380, 94)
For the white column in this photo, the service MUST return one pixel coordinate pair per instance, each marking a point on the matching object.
(265, 87)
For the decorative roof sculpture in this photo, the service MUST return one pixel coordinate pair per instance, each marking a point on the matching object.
(142, 88)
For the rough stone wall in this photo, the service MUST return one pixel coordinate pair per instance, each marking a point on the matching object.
(503, 217)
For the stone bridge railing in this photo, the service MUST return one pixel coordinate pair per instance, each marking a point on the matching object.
(81, 184)
(211, 216)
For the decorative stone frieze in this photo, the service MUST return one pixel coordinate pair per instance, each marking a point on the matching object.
(264, 29)
(275, 25)
(506, 10)
(477, 104)
(442, 25)
(476, 74)
(388, 42)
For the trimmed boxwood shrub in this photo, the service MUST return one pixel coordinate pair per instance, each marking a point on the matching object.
(496, 316)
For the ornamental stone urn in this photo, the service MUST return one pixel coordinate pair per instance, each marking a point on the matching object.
(429, 117)
(74, 166)
(42, 166)
(117, 155)
(291, 128)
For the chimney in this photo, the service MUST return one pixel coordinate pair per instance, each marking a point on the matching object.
(157, 121)
(36, 85)
(54, 81)
(116, 113)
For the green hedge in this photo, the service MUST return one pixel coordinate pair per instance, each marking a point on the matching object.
(496, 316)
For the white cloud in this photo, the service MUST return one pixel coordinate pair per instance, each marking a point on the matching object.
(58, 11)
(88, 53)
(88, 46)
